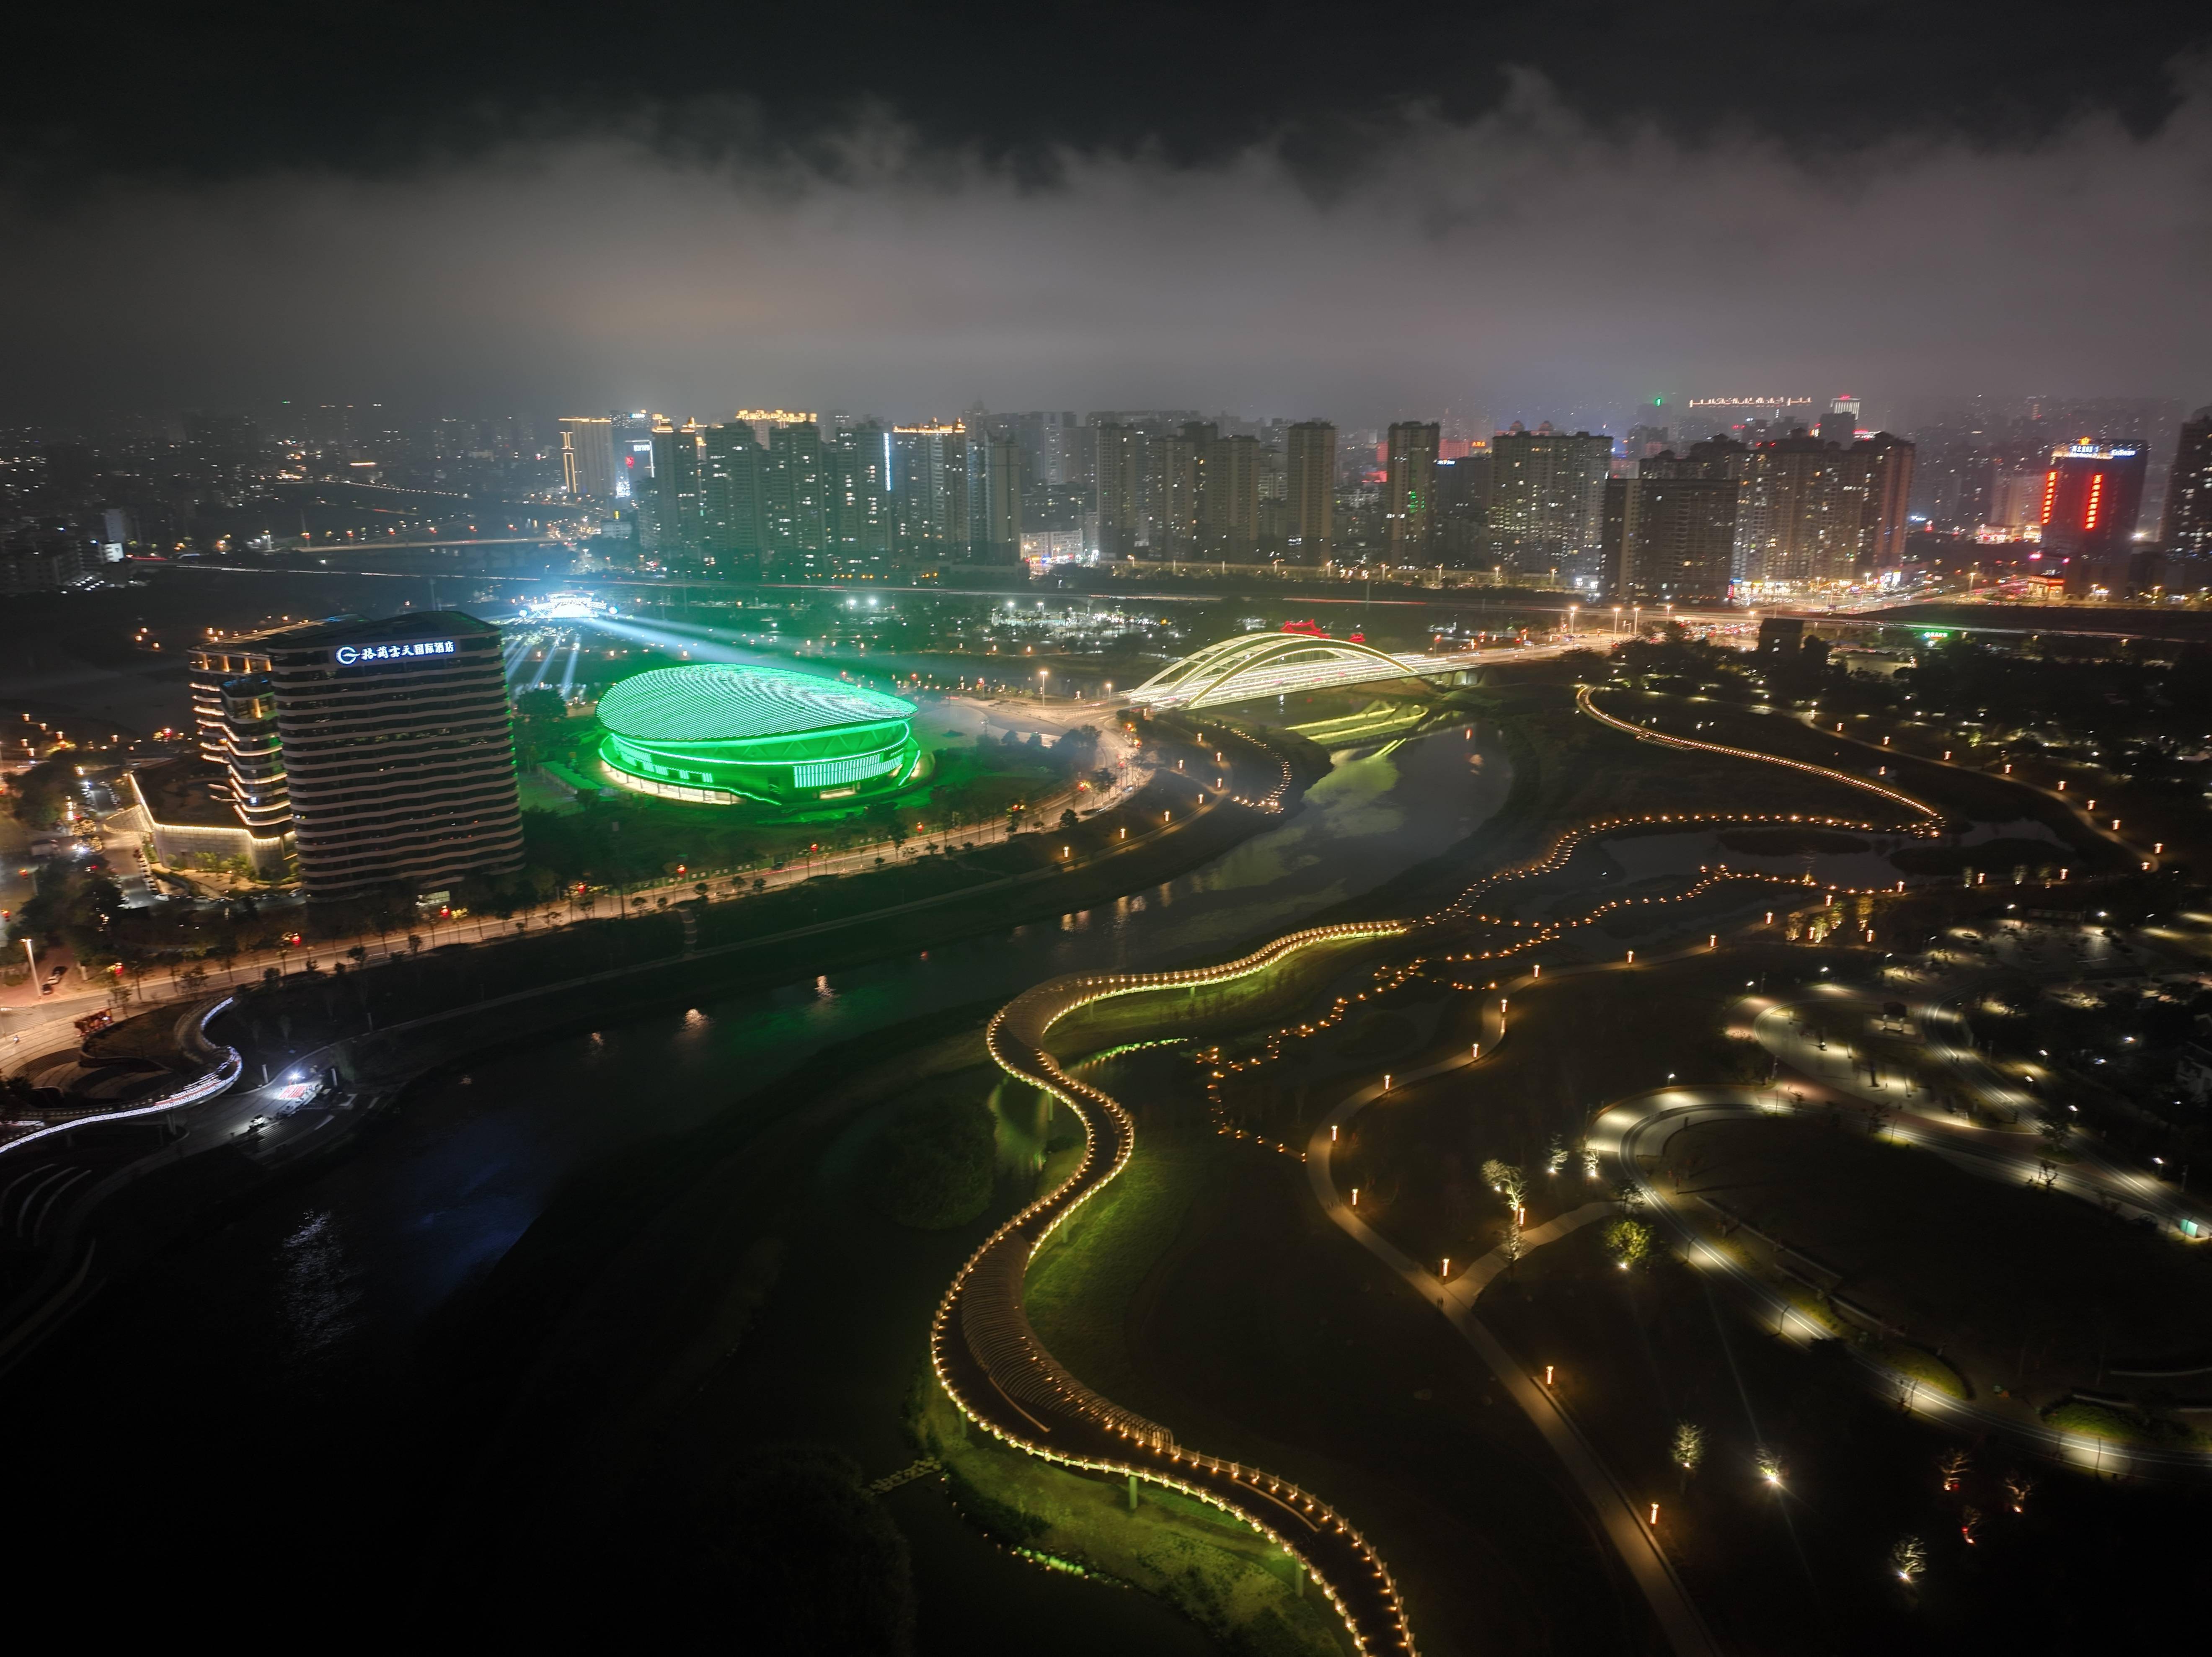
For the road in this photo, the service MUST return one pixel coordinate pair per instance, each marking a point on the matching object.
(36, 1032)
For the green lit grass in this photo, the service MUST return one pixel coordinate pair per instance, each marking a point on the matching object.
(1086, 1278)
(1218, 1571)
(1917, 1363)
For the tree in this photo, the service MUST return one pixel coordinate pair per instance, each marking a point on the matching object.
(889, 821)
(1908, 1558)
(1630, 1241)
(1067, 819)
(1687, 1447)
(1770, 1465)
(2019, 1486)
(1508, 1181)
(1952, 1466)
(540, 706)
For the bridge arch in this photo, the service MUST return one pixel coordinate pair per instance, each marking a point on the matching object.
(1265, 664)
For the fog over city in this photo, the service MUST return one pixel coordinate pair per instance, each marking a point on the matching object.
(1533, 253)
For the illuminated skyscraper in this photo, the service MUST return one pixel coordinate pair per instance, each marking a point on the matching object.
(2092, 494)
(588, 457)
(396, 742)
(234, 706)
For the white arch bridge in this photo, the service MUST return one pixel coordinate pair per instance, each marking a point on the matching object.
(1255, 664)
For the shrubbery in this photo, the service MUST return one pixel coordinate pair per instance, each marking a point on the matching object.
(930, 1166)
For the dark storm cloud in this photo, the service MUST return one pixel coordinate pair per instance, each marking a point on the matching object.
(227, 92)
(1125, 207)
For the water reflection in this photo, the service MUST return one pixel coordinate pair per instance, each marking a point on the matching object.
(431, 1205)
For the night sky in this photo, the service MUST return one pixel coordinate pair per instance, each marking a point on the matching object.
(1526, 211)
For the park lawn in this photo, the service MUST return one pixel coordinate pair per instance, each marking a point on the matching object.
(1219, 1572)
(2040, 1290)
(1578, 1043)
(1084, 1279)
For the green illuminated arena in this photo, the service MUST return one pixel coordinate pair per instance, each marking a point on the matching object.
(720, 734)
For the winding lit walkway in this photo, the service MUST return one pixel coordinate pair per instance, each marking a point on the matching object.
(1002, 1377)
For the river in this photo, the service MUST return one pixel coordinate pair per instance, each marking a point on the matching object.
(284, 1320)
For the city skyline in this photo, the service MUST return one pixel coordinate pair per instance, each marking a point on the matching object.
(1174, 829)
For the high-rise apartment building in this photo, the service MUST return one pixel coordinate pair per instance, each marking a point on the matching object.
(2016, 499)
(1815, 511)
(1808, 510)
(1117, 465)
(1310, 490)
(1051, 443)
(1886, 493)
(860, 493)
(1410, 478)
(1548, 499)
(2187, 530)
(995, 514)
(795, 490)
(678, 520)
(733, 502)
(2091, 496)
(929, 487)
(1179, 476)
(1229, 508)
(396, 747)
(588, 457)
(1669, 537)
